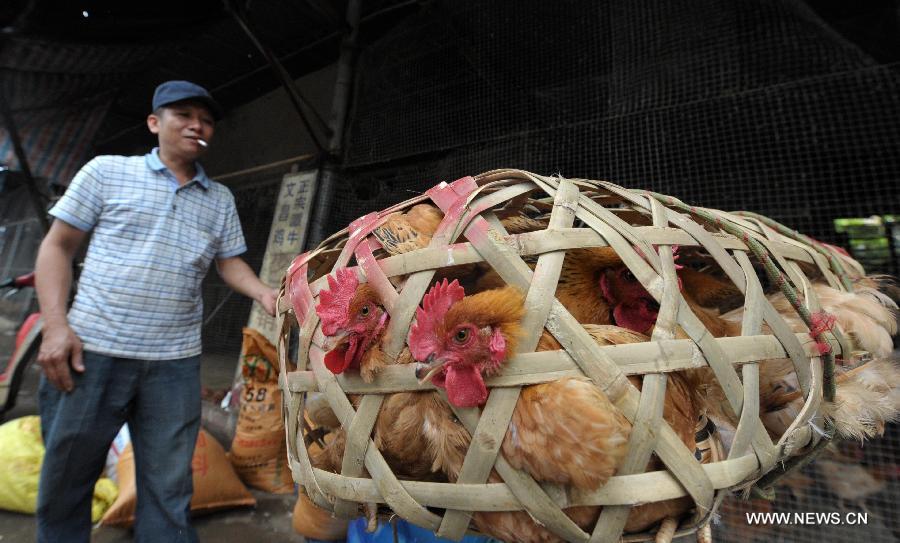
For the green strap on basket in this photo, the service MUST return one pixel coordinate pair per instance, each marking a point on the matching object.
(817, 326)
(814, 243)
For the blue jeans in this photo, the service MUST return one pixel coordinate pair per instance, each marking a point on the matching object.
(160, 401)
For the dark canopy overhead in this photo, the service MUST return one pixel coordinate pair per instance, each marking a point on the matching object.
(85, 70)
(79, 74)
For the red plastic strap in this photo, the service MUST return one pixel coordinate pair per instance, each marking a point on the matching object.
(445, 195)
(298, 287)
(375, 275)
(451, 199)
(821, 322)
(359, 230)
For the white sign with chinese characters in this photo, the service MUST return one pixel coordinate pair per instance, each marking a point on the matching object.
(286, 239)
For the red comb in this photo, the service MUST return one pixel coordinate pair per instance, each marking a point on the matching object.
(435, 304)
(333, 303)
(675, 254)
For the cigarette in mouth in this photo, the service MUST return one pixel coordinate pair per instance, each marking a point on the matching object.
(202, 142)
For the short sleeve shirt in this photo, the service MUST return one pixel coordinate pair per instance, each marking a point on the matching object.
(152, 243)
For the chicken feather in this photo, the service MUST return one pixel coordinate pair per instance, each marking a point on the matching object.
(566, 431)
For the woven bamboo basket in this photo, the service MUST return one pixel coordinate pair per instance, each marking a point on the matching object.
(642, 228)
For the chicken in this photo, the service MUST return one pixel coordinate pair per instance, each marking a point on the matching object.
(565, 431)
(353, 321)
(596, 287)
(407, 231)
(866, 315)
(867, 398)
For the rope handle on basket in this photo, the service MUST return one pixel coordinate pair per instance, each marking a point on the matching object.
(818, 324)
(812, 242)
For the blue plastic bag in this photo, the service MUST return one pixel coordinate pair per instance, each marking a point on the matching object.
(406, 533)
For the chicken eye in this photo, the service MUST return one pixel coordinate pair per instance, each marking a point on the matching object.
(364, 311)
(628, 276)
(461, 335)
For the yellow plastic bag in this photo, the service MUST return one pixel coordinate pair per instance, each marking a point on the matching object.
(21, 455)
(105, 494)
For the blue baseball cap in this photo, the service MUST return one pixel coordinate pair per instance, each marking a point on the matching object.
(177, 91)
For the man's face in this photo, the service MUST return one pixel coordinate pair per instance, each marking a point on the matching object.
(179, 126)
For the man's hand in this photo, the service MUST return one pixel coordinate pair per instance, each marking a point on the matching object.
(60, 347)
(268, 299)
(53, 278)
(238, 275)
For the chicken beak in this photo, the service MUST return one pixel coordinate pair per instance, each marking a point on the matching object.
(333, 342)
(425, 371)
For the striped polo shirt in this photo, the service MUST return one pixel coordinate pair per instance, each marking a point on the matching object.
(152, 243)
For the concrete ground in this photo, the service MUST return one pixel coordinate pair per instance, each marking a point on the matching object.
(270, 520)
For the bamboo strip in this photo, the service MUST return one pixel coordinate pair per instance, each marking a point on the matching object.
(353, 462)
(535, 243)
(530, 496)
(387, 483)
(482, 452)
(642, 441)
(469, 205)
(650, 409)
(799, 434)
(478, 461)
(640, 446)
(619, 490)
(376, 277)
(532, 368)
(749, 425)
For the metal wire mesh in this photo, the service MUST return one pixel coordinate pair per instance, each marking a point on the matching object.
(755, 105)
(860, 483)
(751, 105)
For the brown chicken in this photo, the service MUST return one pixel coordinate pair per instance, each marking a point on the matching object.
(353, 321)
(867, 397)
(407, 231)
(565, 431)
(867, 316)
(596, 287)
(865, 400)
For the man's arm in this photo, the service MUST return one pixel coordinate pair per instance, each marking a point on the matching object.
(60, 346)
(238, 275)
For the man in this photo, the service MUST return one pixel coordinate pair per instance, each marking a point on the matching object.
(129, 349)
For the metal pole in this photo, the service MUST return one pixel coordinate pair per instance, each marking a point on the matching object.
(343, 91)
(304, 109)
(37, 201)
